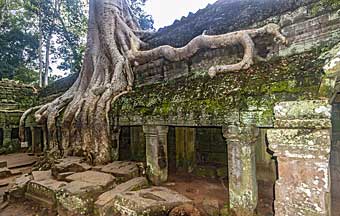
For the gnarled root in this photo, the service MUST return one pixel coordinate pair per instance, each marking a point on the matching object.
(243, 37)
(106, 75)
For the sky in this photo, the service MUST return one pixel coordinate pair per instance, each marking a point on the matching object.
(165, 12)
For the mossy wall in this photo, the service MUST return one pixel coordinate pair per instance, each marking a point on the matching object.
(248, 96)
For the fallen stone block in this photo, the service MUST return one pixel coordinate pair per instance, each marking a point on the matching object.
(44, 192)
(70, 164)
(123, 170)
(18, 187)
(41, 175)
(78, 197)
(62, 176)
(5, 172)
(105, 203)
(154, 201)
(3, 164)
(211, 207)
(93, 177)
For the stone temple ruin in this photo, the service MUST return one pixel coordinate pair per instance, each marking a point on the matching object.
(267, 137)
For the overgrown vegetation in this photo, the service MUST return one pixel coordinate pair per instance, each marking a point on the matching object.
(40, 37)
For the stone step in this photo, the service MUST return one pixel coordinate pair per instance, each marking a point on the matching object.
(152, 201)
(105, 203)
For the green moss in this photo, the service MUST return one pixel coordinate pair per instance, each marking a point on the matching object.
(256, 89)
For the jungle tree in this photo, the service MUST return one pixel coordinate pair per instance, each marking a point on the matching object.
(113, 50)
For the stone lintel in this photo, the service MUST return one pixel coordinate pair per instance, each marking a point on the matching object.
(156, 153)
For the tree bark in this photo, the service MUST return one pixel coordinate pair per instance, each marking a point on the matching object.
(112, 50)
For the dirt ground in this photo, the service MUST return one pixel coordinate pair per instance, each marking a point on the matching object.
(199, 189)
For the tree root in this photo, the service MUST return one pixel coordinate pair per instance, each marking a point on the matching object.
(112, 49)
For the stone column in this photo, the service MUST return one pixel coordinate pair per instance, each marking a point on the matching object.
(33, 139)
(242, 168)
(301, 140)
(156, 140)
(7, 132)
(115, 144)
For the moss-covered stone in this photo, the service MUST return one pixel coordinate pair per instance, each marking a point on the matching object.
(257, 90)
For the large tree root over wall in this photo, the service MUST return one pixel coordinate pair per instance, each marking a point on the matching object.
(112, 50)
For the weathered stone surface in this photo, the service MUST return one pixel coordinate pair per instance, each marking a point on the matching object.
(18, 187)
(154, 201)
(70, 164)
(44, 191)
(242, 168)
(211, 207)
(42, 175)
(77, 197)
(105, 203)
(3, 164)
(303, 186)
(5, 172)
(93, 177)
(156, 153)
(62, 176)
(300, 143)
(303, 114)
(124, 170)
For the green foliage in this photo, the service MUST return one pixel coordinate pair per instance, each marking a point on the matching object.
(145, 20)
(23, 23)
(18, 43)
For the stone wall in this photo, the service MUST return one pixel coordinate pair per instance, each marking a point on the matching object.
(187, 96)
(15, 98)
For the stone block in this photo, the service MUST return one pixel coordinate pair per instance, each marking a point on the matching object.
(70, 164)
(105, 203)
(93, 177)
(44, 192)
(18, 187)
(3, 164)
(5, 172)
(62, 176)
(78, 197)
(42, 175)
(300, 143)
(303, 114)
(211, 207)
(154, 201)
(123, 170)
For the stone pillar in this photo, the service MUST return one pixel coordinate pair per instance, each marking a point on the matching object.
(301, 140)
(156, 140)
(32, 130)
(242, 168)
(7, 133)
(115, 144)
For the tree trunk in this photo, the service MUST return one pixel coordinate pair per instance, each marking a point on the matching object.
(41, 64)
(112, 47)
